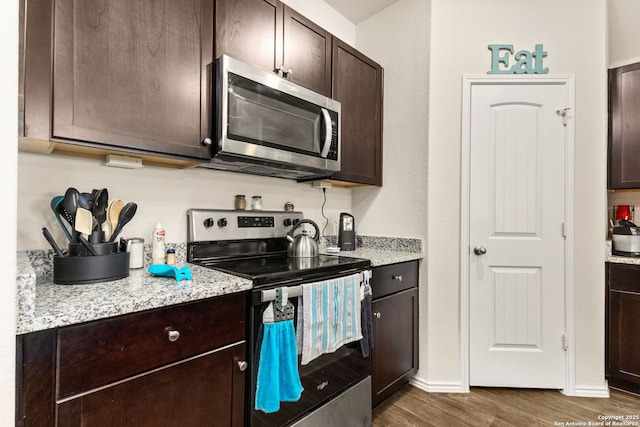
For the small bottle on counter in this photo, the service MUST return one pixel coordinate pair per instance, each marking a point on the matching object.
(256, 203)
(171, 257)
(158, 247)
(135, 247)
(240, 202)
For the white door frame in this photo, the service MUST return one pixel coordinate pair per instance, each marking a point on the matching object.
(468, 81)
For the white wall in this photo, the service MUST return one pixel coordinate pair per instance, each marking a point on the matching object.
(573, 33)
(624, 32)
(165, 194)
(162, 194)
(8, 193)
(399, 208)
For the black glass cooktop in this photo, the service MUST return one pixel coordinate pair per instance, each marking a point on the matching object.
(279, 269)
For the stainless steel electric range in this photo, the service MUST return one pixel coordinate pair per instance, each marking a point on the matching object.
(252, 244)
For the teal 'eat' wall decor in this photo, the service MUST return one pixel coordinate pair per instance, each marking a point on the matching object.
(526, 62)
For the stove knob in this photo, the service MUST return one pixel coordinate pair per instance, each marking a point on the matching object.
(287, 222)
(222, 222)
(208, 222)
(295, 221)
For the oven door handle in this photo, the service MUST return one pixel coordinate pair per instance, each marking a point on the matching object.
(295, 291)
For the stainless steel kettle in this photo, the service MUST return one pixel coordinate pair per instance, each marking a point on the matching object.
(302, 245)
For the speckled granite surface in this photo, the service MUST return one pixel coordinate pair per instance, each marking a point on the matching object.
(618, 259)
(384, 250)
(43, 304)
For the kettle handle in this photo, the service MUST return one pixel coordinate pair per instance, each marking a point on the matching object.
(305, 221)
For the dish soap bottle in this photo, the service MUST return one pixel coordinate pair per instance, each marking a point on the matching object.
(158, 248)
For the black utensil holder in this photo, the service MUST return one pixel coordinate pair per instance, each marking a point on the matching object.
(77, 249)
(75, 270)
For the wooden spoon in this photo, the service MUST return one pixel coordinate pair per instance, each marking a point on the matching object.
(113, 212)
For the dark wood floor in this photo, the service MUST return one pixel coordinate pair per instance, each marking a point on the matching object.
(503, 407)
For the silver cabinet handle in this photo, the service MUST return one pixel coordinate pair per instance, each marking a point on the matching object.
(285, 73)
(207, 141)
(172, 334)
(479, 250)
(242, 365)
(377, 315)
(398, 278)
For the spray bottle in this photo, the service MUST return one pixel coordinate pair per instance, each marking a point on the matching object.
(158, 247)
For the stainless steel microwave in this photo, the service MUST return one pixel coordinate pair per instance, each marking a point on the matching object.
(267, 125)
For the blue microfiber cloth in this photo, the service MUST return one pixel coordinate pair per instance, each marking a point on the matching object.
(166, 270)
(278, 377)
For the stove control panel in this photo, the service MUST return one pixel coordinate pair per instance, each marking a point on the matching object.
(256, 221)
(206, 225)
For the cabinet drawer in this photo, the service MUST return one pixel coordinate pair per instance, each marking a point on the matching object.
(624, 277)
(100, 352)
(389, 279)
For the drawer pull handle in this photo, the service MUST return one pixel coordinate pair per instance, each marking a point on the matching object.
(172, 334)
(377, 315)
(398, 278)
(242, 365)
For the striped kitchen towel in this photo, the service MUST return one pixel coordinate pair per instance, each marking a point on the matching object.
(330, 315)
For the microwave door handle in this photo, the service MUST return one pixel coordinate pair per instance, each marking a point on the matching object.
(327, 132)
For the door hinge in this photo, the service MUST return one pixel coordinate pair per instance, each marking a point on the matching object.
(565, 342)
(564, 113)
(564, 229)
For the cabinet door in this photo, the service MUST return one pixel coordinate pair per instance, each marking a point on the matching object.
(250, 31)
(623, 327)
(624, 127)
(307, 53)
(357, 84)
(394, 358)
(274, 37)
(134, 74)
(206, 390)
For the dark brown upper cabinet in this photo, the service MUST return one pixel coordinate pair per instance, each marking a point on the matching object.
(624, 127)
(127, 74)
(357, 84)
(622, 325)
(274, 37)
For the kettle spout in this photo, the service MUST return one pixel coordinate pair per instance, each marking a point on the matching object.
(289, 237)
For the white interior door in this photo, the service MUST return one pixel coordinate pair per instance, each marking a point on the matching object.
(516, 234)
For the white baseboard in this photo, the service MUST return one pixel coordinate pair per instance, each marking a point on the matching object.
(437, 386)
(591, 391)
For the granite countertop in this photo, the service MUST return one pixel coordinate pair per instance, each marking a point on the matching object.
(385, 250)
(44, 305)
(618, 259)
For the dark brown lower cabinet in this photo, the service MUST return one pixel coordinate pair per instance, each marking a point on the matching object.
(394, 358)
(192, 393)
(181, 365)
(623, 326)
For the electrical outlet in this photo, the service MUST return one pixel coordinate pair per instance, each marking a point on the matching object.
(321, 184)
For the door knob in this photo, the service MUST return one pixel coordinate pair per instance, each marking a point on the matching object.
(479, 250)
